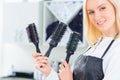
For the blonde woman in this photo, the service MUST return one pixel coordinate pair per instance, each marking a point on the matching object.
(101, 61)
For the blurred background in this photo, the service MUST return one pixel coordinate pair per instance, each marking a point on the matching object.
(16, 50)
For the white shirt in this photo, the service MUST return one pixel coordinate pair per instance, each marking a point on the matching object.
(111, 60)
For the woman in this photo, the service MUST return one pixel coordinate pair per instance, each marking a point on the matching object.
(101, 61)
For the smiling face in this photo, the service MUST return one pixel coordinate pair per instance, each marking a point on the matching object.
(102, 14)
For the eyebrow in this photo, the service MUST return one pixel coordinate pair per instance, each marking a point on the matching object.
(101, 5)
(97, 7)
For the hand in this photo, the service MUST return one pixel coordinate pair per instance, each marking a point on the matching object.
(65, 72)
(42, 64)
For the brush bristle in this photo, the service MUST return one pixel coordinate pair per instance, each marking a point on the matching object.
(73, 43)
(58, 34)
(32, 33)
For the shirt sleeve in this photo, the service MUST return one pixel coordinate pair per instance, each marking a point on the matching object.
(52, 76)
(113, 68)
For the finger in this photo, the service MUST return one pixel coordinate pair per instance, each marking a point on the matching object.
(44, 61)
(41, 61)
(40, 66)
(60, 70)
(62, 67)
(65, 63)
(39, 58)
(36, 55)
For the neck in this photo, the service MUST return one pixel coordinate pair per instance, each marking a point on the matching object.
(111, 32)
(110, 35)
(114, 36)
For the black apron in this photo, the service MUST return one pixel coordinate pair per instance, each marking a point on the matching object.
(89, 67)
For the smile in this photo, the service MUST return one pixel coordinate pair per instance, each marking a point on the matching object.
(101, 22)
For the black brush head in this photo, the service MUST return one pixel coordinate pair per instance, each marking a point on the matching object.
(58, 34)
(32, 33)
(73, 43)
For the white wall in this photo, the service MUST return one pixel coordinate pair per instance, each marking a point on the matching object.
(16, 50)
(1, 28)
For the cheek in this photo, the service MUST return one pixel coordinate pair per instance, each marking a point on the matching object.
(111, 18)
(110, 14)
(92, 20)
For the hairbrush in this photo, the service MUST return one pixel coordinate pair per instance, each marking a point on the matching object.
(56, 37)
(72, 44)
(33, 36)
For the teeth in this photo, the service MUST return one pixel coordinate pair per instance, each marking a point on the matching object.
(100, 23)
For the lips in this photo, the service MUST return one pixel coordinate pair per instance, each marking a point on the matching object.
(101, 22)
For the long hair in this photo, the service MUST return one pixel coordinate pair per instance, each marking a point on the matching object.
(90, 30)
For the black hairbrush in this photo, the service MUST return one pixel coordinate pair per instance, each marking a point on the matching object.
(72, 44)
(56, 37)
(33, 36)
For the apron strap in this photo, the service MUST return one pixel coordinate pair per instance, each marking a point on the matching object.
(108, 48)
(109, 45)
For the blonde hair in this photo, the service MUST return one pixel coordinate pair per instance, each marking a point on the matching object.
(91, 32)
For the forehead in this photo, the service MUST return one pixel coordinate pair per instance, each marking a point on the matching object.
(91, 4)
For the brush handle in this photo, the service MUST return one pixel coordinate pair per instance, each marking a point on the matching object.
(37, 48)
(68, 57)
(49, 51)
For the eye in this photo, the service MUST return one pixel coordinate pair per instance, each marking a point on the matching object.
(90, 12)
(102, 8)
